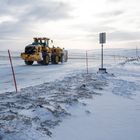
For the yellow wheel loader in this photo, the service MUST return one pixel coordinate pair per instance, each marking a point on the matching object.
(41, 52)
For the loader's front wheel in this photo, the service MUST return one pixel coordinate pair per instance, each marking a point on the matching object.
(47, 60)
(29, 62)
(56, 59)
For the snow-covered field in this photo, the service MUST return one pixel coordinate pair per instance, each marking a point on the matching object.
(62, 101)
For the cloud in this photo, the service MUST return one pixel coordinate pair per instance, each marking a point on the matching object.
(114, 1)
(112, 13)
(43, 10)
(14, 30)
(105, 21)
(124, 36)
(27, 13)
(116, 36)
(91, 28)
(47, 12)
(18, 2)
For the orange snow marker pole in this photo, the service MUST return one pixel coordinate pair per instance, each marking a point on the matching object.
(87, 61)
(14, 78)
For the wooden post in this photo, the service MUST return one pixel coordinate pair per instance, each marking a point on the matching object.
(14, 78)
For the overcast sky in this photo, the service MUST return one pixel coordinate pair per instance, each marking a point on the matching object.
(70, 23)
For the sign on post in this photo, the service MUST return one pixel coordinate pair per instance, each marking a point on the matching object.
(102, 40)
(102, 37)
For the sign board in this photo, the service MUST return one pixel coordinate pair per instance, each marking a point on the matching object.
(102, 38)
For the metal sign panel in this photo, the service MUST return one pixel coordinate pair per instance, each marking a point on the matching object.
(102, 38)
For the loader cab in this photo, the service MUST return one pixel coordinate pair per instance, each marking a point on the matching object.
(35, 42)
(41, 41)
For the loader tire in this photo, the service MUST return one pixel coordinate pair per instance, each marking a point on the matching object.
(29, 62)
(56, 59)
(40, 62)
(61, 58)
(52, 58)
(47, 60)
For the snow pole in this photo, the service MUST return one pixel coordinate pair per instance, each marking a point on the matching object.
(87, 61)
(14, 78)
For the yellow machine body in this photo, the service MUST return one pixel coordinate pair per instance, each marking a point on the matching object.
(41, 52)
(30, 57)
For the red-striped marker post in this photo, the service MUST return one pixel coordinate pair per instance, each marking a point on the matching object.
(14, 78)
(87, 61)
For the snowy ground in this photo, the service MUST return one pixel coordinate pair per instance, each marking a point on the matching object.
(70, 104)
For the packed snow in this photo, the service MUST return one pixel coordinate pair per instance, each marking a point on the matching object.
(64, 102)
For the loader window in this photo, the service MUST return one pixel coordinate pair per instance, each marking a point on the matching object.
(30, 50)
(44, 43)
(35, 42)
